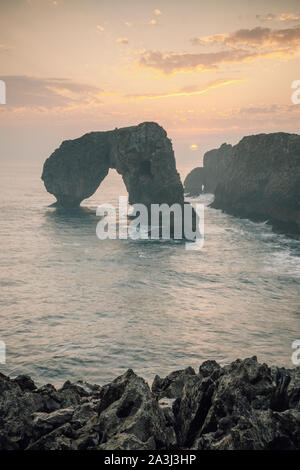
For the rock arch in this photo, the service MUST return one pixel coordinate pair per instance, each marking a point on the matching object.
(142, 154)
(194, 182)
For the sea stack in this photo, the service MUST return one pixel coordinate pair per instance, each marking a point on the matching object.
(142, 154)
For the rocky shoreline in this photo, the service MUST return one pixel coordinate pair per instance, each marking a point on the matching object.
(243, 406)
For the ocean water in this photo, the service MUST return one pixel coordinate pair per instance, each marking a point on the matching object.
(74, 307)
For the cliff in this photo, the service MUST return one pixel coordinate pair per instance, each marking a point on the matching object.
(242, 406)
(261, 181)
(215, 163)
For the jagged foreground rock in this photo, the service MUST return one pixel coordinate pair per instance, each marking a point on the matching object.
(142, 154)
(245, 405)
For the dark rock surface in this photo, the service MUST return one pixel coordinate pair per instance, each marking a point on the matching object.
(245, 405)
(194, 182)
(259, 179)
(205, 179)
(262, 181)
(142, 154)
(215, 163)
(172, 385)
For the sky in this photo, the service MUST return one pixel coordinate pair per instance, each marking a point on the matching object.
(208, 72)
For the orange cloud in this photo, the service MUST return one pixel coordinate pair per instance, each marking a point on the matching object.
(289, 17)
(282, 17)
(122, 40)
(242, 45)
(33, 92)
(187, 62)
(185, 91)
(256, 37)
(5, 48)
(268, 17)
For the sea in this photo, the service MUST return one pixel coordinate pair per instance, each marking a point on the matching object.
(74, 307)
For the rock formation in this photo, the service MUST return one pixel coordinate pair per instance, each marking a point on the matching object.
(194, 182)
(259, 178)
(242, 406)
(205, 179)
(215, 163)
(262, 181)
(142, 154)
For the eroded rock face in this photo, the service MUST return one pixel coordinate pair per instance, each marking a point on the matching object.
(243, 406)
(172, 385)
(131, 409)
(205, 179)
(262, 181)
(142, 154)
(259, 179)
(194, 182)
(215, 163)
(121, 415)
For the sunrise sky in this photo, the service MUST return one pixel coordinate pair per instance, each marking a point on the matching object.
(208, 72)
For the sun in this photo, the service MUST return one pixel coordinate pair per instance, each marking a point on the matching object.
(193, 147)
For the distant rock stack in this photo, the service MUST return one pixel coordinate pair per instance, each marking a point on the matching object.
(194, 182)
(205, 179)
(215, 163)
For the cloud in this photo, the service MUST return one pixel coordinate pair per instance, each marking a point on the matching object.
(282, 17)
(186, 62)
(267, 17)
(289, 17)
(186, 90)
(260, 112)
(157, 12)
(5, 48)
(122, 41)
(281, 45)
(256, 37)
(33, 92)
(269, 109)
